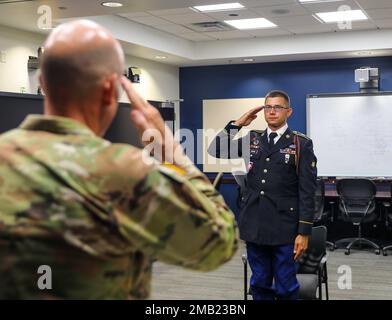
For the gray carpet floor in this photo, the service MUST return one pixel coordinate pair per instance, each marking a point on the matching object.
(371, 279)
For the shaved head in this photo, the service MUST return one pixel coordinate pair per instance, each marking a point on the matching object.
(78, 56)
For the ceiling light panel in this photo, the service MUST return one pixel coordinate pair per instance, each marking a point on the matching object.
(219, 7)
(340, 16)
(248, 24)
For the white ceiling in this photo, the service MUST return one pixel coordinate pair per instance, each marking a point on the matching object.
(164, 27)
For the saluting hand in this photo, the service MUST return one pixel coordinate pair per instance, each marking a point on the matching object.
(247, 118)
(300, 245)
(146, 117)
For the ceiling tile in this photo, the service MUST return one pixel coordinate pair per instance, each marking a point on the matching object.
(134, 15)
(356, 25)
(221, 35)
(281, 11)
(225, 15)
(189, 18)
(194, 36)
(265, 3)
(295, 21)
(384, 23)
(320, 28)
(268, 32)
(379, 13)
(374, 4)
(173, 28)
(151, 21)
(168, 12)
(331, 6)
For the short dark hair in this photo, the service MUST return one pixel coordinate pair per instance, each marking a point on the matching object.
(280, 94)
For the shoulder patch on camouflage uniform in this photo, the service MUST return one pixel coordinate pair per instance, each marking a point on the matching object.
(174, 167)
(301, 135)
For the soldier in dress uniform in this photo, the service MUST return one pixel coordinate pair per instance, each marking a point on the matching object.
(277, 195)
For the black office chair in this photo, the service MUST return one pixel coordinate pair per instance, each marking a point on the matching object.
(388, 223)
(357, 205)
(321, 216)
(312, 271)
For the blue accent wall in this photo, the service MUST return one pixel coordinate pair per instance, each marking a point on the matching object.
(298, 79)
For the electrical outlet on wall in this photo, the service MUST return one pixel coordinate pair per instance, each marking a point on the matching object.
(3, 57)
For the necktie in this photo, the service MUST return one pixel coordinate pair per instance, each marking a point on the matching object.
(272, 137)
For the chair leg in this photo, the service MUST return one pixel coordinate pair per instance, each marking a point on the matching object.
(360, 240)
(385, 249)
(326, 281)
(343, 241)
(365, 241)
(245, 262)
(371, 243)
(331, 245)
(346, 242)
(320, 286)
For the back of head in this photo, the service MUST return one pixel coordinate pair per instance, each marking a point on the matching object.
(77, 57)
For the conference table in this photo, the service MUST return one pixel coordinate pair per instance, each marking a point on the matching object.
(383, 187)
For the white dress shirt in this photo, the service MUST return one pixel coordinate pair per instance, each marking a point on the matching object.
(280, 132)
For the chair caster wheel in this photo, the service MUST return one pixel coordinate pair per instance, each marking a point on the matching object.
(377, 252)
(331, 249)
(347, 252)
(384, 253)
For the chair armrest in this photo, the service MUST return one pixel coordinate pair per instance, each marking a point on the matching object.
(244, 259)
(324, 259)
(386, 204)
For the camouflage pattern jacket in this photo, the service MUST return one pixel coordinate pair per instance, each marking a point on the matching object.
(98, 215)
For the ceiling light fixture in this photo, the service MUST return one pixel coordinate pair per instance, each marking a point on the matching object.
(219, 7)
(341, 16)
(248, 59)
(245, 24)
(160, 57)
(112, 4)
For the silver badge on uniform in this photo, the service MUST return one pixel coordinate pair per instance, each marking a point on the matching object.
(287, 158)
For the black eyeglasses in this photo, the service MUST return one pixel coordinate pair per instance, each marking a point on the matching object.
(277, 108)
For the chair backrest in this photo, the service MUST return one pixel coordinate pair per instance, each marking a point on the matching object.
(319, 199)
(357, 196)
(309, 262)
(356, 188)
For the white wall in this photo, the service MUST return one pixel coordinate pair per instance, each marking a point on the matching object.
(17, 47)
(158, 81)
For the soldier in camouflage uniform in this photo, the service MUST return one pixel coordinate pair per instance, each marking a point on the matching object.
(96, 213)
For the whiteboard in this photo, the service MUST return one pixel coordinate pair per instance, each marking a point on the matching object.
(352, 134)
(216, 115)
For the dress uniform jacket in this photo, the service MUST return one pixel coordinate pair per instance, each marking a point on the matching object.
(277, 198)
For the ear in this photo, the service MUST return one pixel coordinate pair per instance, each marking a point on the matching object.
(289, 112)
(41, 81)
(109, 90)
